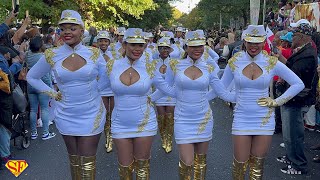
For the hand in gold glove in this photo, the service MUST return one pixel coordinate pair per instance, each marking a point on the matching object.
(267, 101)
(58, 96)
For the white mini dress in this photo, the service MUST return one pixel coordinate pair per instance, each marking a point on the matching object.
(249, 117)
(81, 111)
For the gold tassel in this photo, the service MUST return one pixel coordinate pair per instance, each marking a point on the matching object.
(74, 166)
(142, 169)
(256, 167)
(185, 171)
(239, 169)
(87, 167)
(169, 127)
(125, 172)
(200, 166)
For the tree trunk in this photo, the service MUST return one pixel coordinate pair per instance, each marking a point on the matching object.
(245, 17)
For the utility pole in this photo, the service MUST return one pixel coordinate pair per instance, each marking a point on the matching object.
(254, 11)
(264, 11)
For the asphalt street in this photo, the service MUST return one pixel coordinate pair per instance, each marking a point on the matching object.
(48, 159)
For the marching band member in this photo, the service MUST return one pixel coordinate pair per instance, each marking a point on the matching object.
(103, 39)
(117, 46)
(165, 105)
(253, 124)
(133, 119)
(80, 112)
(193, 121)
(179, 39)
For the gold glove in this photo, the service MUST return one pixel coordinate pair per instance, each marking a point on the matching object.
(57, 96)
(267, 101)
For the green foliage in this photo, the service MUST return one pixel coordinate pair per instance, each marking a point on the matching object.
(207, 13)
(100, 13)
(162, 14)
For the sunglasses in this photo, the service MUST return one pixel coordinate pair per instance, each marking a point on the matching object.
(164, 48)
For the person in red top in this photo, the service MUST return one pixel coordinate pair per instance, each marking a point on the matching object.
(285, 46)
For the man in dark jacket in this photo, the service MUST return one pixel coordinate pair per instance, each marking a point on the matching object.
(304, 64)
(6, 101)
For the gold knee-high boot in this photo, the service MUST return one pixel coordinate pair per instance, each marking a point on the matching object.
(142, 169)
(185, 171)
(125, 172)
(239, 169)
(200, 166)
(256, 167)
(87, 167)
(107, 132)
(169, 131)
(74, 166)
(161, 125)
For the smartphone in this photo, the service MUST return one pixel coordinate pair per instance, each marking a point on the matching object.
(275, 50)
(15, 5)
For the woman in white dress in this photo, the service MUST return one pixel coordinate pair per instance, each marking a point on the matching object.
(80, 113)
(103, 39)
(133, 121)
(253, 126)
(193, 120)
(165, 105)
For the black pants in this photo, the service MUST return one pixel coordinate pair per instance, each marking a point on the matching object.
(277, 112)
(6, 106)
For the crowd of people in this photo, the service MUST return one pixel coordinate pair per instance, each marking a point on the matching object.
(110, 80)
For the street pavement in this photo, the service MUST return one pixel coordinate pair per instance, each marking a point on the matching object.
(48, 160)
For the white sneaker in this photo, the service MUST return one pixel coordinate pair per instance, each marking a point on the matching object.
(282, 145)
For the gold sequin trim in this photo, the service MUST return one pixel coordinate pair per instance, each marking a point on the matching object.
(206, 56)
(233, 60)
(169, 98)
(210, 68)
(110, 66)
(173, 64)
(264, 52)
(145, 120)
(147, 57)
(98, 118)
(151, 68)
(49, 54)
(204, 123)
(50, 93)
(266, 119)
(95, 54)
(112, 46)
(282, 101)
(272, 61)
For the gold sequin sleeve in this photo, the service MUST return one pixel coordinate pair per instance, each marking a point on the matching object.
(95, 54)
(49, 54)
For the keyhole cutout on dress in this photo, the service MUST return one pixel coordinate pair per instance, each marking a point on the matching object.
(163, 69)
(74, 62)
(129, 76)
(193, 72)
(252, 71)
(106, 57)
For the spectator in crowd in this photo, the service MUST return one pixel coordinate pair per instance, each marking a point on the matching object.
(48, 41)
(6, 101)
(36, 98)
(303, 63)
(91, 39)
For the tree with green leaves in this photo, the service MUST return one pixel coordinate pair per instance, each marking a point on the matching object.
(161, 15)
(100, 13)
